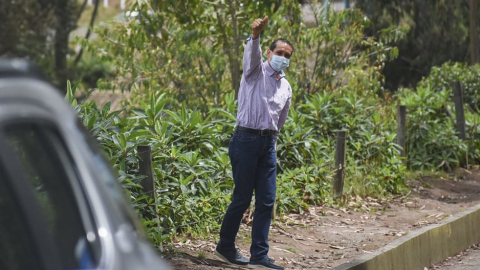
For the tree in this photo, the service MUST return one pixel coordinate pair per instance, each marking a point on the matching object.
(439, 33)
(192, 50)
(26, 31)
(473, 32)
(39, 30)
(230, 18)
(189, 48)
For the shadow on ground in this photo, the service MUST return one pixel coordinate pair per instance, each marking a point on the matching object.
(464, 187)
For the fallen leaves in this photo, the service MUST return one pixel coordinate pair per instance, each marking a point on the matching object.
(396, 233)
(336, 247)
(430, 219)
(283, 250)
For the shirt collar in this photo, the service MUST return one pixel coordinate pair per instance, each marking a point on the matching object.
(271, 72)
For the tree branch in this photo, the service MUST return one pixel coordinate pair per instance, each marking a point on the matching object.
(87, 35)
(82, 8)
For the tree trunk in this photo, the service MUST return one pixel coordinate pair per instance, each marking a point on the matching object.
(234, 61)
(473, 32)
(61, 43)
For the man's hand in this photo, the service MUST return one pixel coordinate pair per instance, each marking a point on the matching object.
(257, 26)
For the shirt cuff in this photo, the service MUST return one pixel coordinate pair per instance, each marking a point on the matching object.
(252, 39)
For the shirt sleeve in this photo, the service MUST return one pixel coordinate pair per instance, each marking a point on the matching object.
(283, 117)
(252, 58)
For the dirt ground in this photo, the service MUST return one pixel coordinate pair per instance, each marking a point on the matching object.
(327, 237)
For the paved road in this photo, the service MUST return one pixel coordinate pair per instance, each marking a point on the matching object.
(468, 260)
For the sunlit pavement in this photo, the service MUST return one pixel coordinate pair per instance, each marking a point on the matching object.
(469, 260)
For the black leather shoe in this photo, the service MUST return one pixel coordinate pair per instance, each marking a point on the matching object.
(231, 257)
(265, 263)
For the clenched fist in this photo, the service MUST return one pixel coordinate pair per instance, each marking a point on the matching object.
(257, 26)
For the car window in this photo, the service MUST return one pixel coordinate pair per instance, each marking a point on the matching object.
(46, 163)
(16, 245)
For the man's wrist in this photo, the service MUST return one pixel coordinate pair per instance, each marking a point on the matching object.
(255, 36)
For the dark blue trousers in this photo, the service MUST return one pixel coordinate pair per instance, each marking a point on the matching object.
(254, 167)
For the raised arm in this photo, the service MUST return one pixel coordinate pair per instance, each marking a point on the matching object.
(252, 56)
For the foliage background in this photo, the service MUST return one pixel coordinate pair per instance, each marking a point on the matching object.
(179, 67)
(181, 62)
(439, 33)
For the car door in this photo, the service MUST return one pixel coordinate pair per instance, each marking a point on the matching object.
(44, 198)
(24, 244)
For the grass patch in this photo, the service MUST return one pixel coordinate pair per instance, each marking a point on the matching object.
(292, 250)
(417, 175)
(202, 255)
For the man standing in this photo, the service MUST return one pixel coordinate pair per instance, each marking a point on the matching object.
(263, 102)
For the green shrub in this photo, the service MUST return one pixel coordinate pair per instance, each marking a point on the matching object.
(443, 77)
(432, 140)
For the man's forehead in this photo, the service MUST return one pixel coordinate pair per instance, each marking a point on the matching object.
(281, 45)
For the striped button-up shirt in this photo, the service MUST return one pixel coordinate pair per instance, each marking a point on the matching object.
(263, 100)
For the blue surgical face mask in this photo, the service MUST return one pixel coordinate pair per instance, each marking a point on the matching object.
(279, 63)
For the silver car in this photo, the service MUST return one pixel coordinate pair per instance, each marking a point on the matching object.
(60, 204)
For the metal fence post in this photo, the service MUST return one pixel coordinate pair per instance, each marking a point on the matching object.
(340, 164)
(146, 168)
(460, 117)
(401, 129)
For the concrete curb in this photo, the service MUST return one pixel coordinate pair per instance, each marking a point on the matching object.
(424, 247)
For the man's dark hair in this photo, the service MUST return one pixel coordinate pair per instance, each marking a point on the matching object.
(274, 44)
